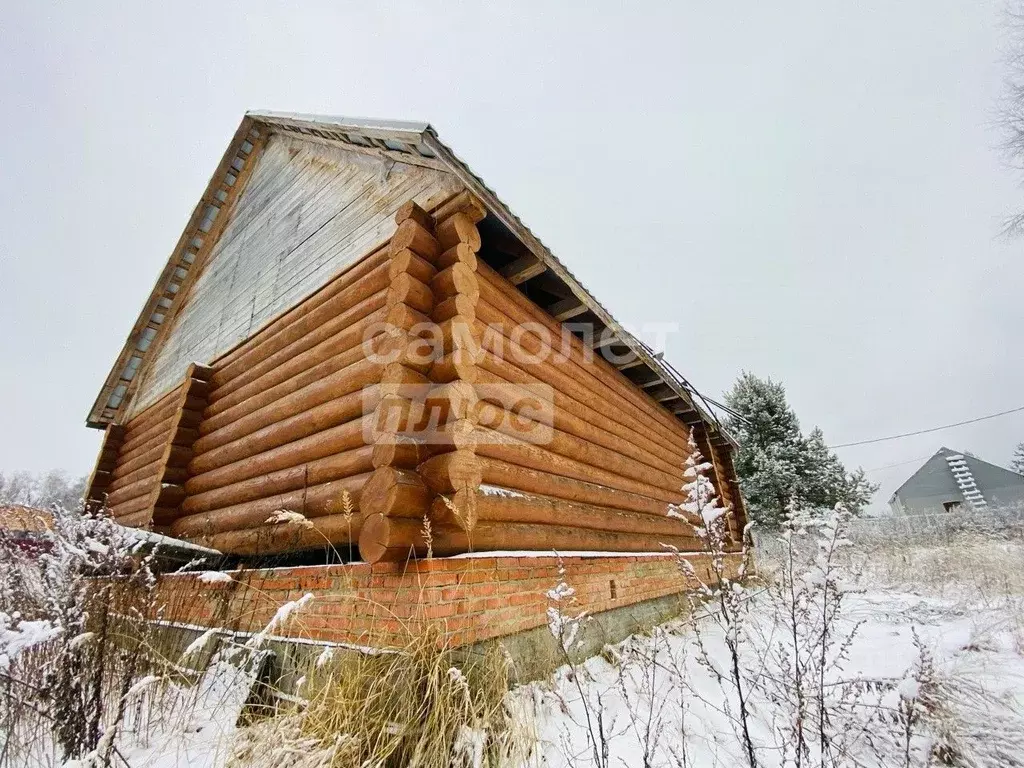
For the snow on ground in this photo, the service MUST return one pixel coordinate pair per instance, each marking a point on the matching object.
(193, 729)
(982, 644)
(652, 691)
(654, 701)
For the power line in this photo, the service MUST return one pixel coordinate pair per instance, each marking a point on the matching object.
(898, 464)
(931, 429)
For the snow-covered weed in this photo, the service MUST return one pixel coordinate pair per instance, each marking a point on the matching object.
(414, 705)
(81, 661)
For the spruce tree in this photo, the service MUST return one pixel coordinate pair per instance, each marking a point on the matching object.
(770, 460)
(1017, 462)
(778, 466)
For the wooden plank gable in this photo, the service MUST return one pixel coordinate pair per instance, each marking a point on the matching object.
(307, 212)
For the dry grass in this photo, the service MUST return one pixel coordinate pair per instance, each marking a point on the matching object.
(983, 566)
(413, 706)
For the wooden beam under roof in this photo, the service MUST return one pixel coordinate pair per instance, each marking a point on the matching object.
(605, 338)
(664, 393)
(522, 269)
(630, 363)
(554, 285)
(566, 309)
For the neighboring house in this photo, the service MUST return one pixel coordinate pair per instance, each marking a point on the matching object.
(252, 383)
(951, 481)
(26, 526)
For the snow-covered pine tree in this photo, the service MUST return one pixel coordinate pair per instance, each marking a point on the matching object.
(777, 466)
(770, 460)
(825, 481)
(1017, 462)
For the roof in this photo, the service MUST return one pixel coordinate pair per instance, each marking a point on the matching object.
(21, 519)
(938, 474)
(416, 143)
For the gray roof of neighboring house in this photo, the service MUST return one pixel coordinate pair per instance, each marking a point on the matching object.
(407, 142)
(934, 477)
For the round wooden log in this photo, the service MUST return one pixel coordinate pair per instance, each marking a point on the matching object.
(274, 394)
(352, 462)
(163, 517)
(396, 539)
(139, 487)
(497, 536)
(315, 501)
(461, 434)
(397, 417)
(406, 289)
(162, 412)
(410, 209)
(161, 427)
(414, 236)
(126, 468)
(402, 317)
(458, 278)
(337, 284)
(522, 427)
(465, 202)
(460, 333)
(460, 253)
(453, 471)
(451, 401)
(530, 354)
(458, 228)
(460, 365)
(500, 446)
(405, 261)
(404, 453)
(344, 346)
(345, 301)
(391, 539)
(493, 504)
(346, 322)
(278, 433)
(456, 510)
(396, 493)
(135, 520)
(406, 349)
(459, 304)
(540, 482)
(348, 380)
(401, 380)
(494, 290)
(167, 496)
(141, 502)
(333, 441)
(321, 532)
(177, 456)
(574, 417)
(131, 478)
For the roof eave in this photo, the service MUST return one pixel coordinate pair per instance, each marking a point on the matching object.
(515, 225)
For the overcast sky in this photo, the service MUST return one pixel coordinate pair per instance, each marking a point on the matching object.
(811, 189)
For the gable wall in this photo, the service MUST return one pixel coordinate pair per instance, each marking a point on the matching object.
(933, 484)
(308, 212)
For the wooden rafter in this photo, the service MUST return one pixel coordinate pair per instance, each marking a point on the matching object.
(522, 269)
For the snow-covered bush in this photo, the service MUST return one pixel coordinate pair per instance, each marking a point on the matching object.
(74, 637)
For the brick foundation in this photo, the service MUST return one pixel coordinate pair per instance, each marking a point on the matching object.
(468, 599)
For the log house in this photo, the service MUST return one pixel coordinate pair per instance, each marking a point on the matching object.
(351, 315)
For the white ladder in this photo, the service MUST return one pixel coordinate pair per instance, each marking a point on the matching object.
(965, 480)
